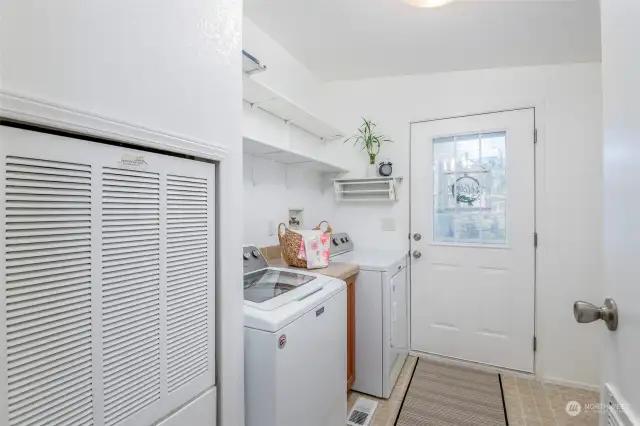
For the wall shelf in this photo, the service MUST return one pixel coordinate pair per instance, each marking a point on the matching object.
(366, 189)
(250, 64)
(261, 96)
(288, 156)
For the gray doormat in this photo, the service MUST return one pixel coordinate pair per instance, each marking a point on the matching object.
(446, 395)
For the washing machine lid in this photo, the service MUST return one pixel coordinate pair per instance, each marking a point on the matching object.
(291, 301)
(268, 283)
(270, 288)
(373, 259)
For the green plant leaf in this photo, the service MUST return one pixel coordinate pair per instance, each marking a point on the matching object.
(367, 138)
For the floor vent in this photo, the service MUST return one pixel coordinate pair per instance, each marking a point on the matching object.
(362, 412)
(617, 411)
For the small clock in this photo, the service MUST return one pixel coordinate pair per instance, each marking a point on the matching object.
(385, 168)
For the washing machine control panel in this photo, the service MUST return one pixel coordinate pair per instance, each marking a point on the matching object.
(340, 243)
(252, 259)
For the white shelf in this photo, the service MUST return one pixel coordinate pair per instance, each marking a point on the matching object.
(287, 156)
(366, 189)
(250, 64)
(263, 97)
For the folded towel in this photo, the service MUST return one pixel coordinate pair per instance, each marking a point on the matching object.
(314, 247)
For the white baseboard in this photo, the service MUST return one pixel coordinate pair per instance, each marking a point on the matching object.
(569, 383)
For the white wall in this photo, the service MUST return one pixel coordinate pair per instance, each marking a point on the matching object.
(568, 178)
(271, 189)
(167, 70)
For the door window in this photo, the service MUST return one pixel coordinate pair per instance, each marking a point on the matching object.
(470, 189)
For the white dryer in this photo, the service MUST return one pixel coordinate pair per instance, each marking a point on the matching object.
(295, 334)
(382, 318)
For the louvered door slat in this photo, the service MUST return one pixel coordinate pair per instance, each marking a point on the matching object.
(130, 265)
(42, 339)
(107, 312)
(186, 251)
(44, 392)
(64, 391)
(133, 406)
(48, 285)
(117, 360)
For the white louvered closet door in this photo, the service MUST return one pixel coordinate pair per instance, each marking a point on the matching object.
(107, 305)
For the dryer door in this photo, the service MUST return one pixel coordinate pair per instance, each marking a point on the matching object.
(398, 313)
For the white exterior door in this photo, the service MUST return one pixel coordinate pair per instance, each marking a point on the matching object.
(621, 91)
(472, 238)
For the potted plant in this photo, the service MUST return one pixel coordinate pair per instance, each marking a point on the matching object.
(368, 138)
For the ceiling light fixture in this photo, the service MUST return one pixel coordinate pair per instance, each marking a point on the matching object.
(427, 3)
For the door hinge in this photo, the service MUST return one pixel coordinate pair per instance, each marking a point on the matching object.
(535, 240)
(535, 135)
(535, 343)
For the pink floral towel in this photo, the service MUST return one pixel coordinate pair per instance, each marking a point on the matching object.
(314, 247)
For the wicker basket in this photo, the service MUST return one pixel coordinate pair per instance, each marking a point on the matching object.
(290, 244)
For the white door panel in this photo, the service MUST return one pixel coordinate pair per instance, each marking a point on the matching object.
(472, 201)
(108, 306)
(621, 91)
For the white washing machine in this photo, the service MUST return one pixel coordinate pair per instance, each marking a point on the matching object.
(382, 317)
(295, 335)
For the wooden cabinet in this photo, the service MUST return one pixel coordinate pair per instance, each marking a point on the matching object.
(351, 331)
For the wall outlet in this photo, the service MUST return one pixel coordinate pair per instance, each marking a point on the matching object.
(388, 224)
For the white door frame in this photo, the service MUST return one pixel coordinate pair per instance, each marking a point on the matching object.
(229, 391)
(476, 365)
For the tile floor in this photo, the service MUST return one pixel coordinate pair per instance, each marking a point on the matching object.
(528, 402)
(531, 403)
(388, 409)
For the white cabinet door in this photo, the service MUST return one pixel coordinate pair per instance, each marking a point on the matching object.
(107, 259)
(472, 202)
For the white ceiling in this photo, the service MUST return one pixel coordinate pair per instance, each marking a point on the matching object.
(349, 39)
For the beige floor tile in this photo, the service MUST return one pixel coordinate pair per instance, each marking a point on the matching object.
(388, 409)
(528, 402)
(545, 404)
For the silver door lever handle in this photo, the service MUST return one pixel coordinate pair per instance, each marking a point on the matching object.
(585, 312)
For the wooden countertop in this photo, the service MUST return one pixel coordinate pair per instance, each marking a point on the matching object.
(338, 270)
